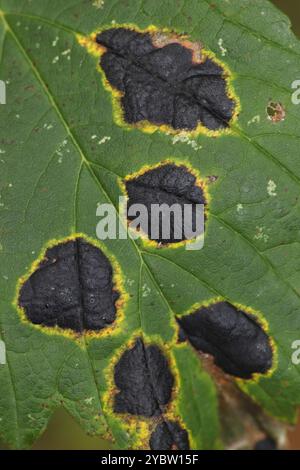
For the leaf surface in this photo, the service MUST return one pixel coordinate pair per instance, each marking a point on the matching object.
(62, 154)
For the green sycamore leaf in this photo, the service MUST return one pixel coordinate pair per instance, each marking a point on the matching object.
(62, 153)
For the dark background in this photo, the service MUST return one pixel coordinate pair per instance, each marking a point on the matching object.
(63, 432)
(292, 9)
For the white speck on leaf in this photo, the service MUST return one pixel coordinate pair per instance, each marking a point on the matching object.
(261, 235)
(104, 140)
(98, 4)
(184, 139)
(55, 60)
(66, 52)
(239, 207)
(222, 48)
(61, 148)
(89, 400)
(145, 290)
(271, 188)
(254, 120)
(54, 43)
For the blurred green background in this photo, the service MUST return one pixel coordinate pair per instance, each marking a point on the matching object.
(63, 432)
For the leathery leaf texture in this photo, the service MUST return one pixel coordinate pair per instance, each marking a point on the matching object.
(119, 332)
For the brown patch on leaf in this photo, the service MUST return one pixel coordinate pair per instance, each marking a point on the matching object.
(243, 423)
(212, 178)
(276, 111)
(161, 39)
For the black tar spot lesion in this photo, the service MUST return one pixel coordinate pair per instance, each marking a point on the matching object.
(169, 435)
(72, 288)
(237, 342)
(166, 184)
(144, 380)
(163, 85)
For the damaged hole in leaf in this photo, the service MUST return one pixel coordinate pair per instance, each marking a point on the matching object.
(169, 435)
(165, 80)
(237, 342)
(276, 112)
(174, 201)
(72, 288)
(144, 380)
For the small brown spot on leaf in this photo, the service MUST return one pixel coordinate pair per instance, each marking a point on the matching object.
(276, 111)
(212, 178)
